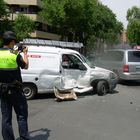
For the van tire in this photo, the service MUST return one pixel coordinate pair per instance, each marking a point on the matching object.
(101, 88)
(29, 91)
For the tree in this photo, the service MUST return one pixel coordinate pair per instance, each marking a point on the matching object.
(106, 28)
(64, 14)
(3, 9)
(133, 31)
(4, 24)
(133, 28)
(80, 20)
(133, 13)
(113, 35)
(23, 26)
(3, 19)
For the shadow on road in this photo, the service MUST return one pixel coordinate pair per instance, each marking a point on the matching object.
(45, 96)
(91, 93)
(79, 95)
(130, 83)
(113, 92)
(40, 134)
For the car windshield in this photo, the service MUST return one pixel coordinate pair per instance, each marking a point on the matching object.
(134, 56)
(88, 62)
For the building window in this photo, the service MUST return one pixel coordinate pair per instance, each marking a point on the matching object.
(24, 10)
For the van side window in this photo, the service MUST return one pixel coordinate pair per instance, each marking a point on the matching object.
(65, 61)
(71, 62)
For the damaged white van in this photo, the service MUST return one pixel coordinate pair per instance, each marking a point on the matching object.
(51, 67)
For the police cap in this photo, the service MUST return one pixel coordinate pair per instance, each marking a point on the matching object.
(9, 35)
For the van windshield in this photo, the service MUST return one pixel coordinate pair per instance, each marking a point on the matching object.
(134, 56)
(88, 62)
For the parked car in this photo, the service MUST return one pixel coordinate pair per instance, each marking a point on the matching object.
(124, 62)
(51, 67)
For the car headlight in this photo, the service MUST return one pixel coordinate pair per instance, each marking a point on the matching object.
(113, 76)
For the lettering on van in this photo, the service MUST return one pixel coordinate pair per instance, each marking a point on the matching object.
(34, 56)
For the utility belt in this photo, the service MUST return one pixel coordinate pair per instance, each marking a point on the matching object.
(6, 88)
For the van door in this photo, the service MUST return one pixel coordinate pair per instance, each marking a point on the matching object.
(74, 72)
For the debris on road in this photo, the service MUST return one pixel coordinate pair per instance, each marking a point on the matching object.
(64, 94)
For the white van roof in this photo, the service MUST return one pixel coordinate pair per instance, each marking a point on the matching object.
(31, 41)
(50, 49)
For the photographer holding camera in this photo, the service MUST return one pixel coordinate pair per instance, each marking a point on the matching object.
(11, 93)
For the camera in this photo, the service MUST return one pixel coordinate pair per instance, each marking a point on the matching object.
(20, 47)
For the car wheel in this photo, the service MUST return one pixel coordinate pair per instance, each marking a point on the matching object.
(101, 88)
(29, 91)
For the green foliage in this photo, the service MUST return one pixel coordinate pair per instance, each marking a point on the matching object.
(106, 28)
(133, 13)
(113, 35)
(23, 26)
(5, 25)
(53, 11)
(133, 31)
(4, 13)
(81, 19)
(3, 9)
(133, 28)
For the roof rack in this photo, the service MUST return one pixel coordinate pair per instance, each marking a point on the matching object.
(52, 43)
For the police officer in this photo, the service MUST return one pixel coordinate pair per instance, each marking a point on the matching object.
(11, 88)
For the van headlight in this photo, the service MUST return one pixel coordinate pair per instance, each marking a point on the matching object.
(112, 76)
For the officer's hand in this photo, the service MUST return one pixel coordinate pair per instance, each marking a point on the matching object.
(25, 49)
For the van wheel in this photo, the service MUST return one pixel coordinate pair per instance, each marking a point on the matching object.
(101, 88)
(29, 91)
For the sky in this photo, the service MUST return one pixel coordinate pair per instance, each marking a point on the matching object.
(120, 7)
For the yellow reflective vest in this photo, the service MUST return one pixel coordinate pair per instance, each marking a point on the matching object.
(8, 60)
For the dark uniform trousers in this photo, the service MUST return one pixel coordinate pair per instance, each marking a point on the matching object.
(17, 101)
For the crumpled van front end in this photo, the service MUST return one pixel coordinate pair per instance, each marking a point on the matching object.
(98, 80)
(104, 77)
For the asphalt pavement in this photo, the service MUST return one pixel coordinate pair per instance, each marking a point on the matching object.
(115, 116)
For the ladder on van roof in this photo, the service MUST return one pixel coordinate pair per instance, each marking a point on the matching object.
(54, 43)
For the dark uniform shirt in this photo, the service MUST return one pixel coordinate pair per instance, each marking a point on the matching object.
(10, 76)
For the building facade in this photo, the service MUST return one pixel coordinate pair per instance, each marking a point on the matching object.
(31, 8)
(124, 38)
